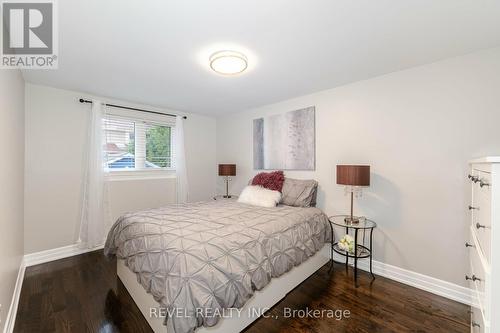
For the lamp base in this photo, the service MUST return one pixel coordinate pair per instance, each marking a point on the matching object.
(227, 196)
(351, 220)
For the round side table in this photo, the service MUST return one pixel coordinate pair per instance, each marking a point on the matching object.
(361, 250)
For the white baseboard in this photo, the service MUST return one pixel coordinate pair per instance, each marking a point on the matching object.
(10, 320)
(436, 286)
(55, 254)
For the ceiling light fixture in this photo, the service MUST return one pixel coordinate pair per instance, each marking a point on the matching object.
(228, 62)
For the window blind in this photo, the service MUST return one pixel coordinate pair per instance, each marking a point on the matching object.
(130, 143)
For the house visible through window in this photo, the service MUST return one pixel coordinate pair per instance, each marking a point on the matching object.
(136, 144)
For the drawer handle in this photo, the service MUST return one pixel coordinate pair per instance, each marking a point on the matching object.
(474, 324)
(479, 226)
(473, 278)
(469, 245)
(475, 179)
(472, 207)
(481, 184)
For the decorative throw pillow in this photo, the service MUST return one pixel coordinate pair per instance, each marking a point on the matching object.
(299, 193)
(270, 180)
(259, 196)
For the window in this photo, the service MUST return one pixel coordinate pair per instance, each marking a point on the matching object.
(133, 144)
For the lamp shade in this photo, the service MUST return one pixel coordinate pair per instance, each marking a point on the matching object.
(353, 175)
(227, 169)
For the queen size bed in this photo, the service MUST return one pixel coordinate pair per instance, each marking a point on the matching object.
(197, 261)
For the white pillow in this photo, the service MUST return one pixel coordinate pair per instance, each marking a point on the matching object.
(259, 196)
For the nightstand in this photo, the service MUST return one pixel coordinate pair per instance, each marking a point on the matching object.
(361, 250)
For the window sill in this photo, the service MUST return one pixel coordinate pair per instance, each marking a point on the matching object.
(122, 175)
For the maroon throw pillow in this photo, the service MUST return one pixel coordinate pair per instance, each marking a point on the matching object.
(260, 179)
(270, 180)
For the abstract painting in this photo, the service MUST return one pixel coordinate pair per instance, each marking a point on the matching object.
(285, 141)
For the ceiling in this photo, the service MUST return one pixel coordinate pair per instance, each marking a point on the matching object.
(156, 52)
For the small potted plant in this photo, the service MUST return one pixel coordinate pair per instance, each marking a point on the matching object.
(347, 244)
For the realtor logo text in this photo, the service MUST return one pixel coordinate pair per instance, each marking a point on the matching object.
(29, 34)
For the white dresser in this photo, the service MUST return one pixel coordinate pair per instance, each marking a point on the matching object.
(484, 243)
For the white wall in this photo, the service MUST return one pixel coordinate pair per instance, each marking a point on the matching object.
(56, 126)
(417, 129)
(11, 184)
(146, 193)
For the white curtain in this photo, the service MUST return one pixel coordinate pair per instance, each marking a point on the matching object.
(92, 224)
(180, 161)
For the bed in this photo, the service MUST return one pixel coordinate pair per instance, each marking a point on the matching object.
(199, 261)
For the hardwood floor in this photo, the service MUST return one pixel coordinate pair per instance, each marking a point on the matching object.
(83, 294)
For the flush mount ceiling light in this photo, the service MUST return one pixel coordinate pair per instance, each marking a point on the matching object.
(228, 62)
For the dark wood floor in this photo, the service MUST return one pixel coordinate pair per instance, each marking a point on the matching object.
(83, 294)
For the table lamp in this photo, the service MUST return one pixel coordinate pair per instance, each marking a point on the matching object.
(354, 177)
(227, 170)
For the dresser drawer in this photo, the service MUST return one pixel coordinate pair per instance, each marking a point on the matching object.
(481, 185)
(476, 321)
(484, 183)
(479, 275)
(481, 217)
(484, 239)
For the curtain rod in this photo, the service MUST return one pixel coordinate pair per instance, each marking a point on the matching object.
(81, 100)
